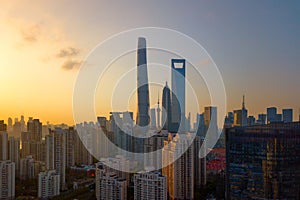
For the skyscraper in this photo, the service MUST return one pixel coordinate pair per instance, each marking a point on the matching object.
(166, 105)
(143, 118)
(287, 115)
(241, 116)
(272, 115)
(211, 122)
(262, 162)
(178, 93)
(7, 180)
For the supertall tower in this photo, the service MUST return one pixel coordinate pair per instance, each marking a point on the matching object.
(142, 84)
(178, 94)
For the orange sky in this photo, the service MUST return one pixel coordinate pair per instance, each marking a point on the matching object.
(43, 44)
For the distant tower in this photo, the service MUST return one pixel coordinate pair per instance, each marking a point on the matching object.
(244, 113)
(153, 118)
(142, 84)
(178, 94)
(158, 114)
(166, 104)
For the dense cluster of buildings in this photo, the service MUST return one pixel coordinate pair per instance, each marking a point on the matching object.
(261, 155)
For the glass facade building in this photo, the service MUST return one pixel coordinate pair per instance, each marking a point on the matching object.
(263, 161)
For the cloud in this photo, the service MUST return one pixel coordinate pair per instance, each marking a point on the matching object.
(68, 52)
(32, 33)
(71, 64)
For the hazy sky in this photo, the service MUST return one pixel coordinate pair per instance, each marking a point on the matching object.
(255, 44)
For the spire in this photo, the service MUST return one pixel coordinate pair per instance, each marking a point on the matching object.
(243, 105)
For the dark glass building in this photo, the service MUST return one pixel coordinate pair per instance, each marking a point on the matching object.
(166, 104)
(263, 162)
(143, 118)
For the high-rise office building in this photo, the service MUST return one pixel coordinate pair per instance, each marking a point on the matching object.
(211, 122)
(3, 145)
(49, 184)
(7, 180)
(166, 105)
(143, 118)
(262, 162)
(178, 93)
(229, 120)
(272, 115)
(34, 126)
(150, 185)
(287, 115)
(241, 116)
(200, 125)
(180, 173)
(108, 185)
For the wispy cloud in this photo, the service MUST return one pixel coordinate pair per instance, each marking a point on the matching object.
(31, 34)
(71, 64)
(68, 52)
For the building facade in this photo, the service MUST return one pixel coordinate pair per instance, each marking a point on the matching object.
(179, 172)
(263, 162)
(108, 185)
(150, 185)
(7, 180)
(49, 184)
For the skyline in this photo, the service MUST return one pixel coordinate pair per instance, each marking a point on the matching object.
(43, 46)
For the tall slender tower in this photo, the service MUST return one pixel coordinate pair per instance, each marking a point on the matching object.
(142, 84)
(158, 114)
(166, 112)
(178, 94)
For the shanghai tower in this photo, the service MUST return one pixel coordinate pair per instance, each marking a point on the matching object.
(142, 84)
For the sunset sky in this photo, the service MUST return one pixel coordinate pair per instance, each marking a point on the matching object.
(255, 44)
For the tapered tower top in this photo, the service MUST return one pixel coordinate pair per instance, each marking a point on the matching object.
(141, 43)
